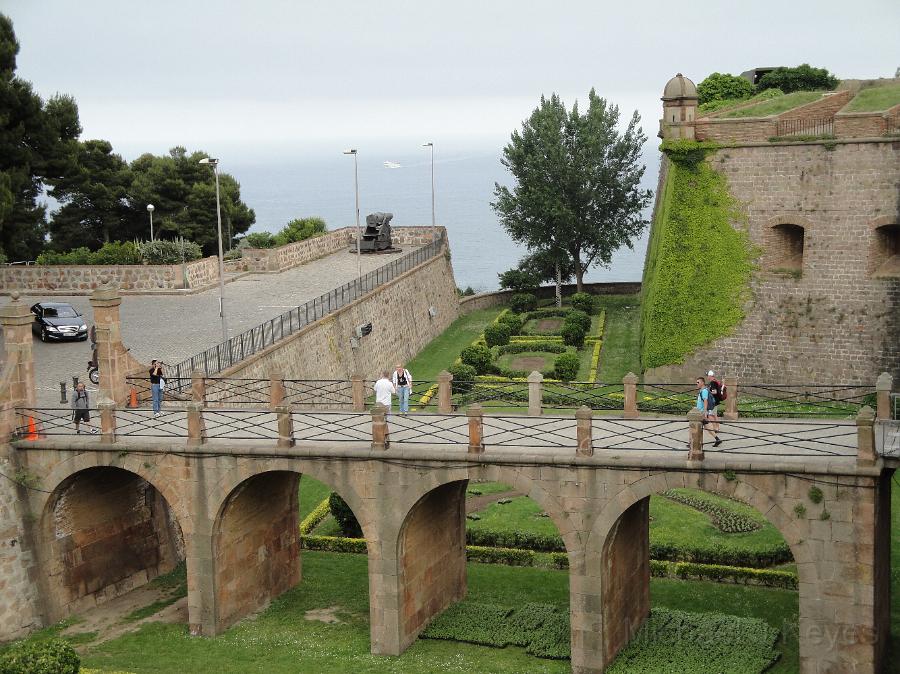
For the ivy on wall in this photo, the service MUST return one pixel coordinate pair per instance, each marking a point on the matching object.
(698, 267)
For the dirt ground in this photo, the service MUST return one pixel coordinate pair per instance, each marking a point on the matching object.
(548, 325)
(528, 363)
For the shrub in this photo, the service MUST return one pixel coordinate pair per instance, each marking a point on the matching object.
(80, 255)
(319, 513)
(478, 357)
(566, 366)
(334, 544)
(579, 318)
(462, 375)
(117, 253)
(344, 516)
(518, 281)
(736, 574)
(723, 86)
(168, 252)
(300, 230)
(522, 302)
(720, 554)
(801, 78)
(53, 656)
(468, 292)
(572, 335)
(508, 556)
(583, 302)
(260, 240)
(522, 347)
(497, 334)
(514, 321)
(515, 539)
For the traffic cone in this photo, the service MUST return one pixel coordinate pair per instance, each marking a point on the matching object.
(133, 401)
(32, 430)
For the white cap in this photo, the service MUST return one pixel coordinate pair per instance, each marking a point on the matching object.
(710, 374)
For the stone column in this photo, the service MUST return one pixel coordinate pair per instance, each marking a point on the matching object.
(629, 382)
(358, 391)
(883, 387)
(584, 424)
(16, 320)
(285, 426)
(380, 439)
(276, 390)
(695, 435)
(198, 387)
(445, 393)
(535, 394)
(476, 428)
(195, 424)
(107, 420)
(110, 351)
(865, 434)
(731, 387)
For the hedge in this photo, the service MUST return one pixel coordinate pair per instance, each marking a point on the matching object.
(508, 556)
(334, 544)
(497, 334)
(319, 513)
(51, 656)
(521, 302)
(344, 516)
(583, 302)
(736, 574)
(522, 347)
(565, 367)
(478, 357)
(723, 555)
(515, 539)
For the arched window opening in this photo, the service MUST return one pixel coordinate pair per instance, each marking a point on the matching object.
(786, 249)
(885, 256)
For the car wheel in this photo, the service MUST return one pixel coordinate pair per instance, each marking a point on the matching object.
(94, 376)
(43, 334)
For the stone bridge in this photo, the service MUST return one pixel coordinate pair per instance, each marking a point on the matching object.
(219, 487)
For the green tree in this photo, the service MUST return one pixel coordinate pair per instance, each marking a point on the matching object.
(801, 78)
(577, 197)
(723, 87)
(37, 143)
(94, 197)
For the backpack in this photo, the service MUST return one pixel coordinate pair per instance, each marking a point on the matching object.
(717, 391)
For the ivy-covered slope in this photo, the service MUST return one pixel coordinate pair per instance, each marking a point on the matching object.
(699, 259)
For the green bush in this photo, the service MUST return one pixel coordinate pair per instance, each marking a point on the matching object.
(723, 555)
(300, 230)
(522, 302)
(522, 347)
(80, 255)
(565, 367)
(319, 513)
(559, 560)
(723, 86)
(344, 516)
(525, 540)
(659, 568)
(547, 313)
(463, 375)
(518, 281)
(478, 357)
(801, 78)
(583, 302)
(573, 335)
(736, 574)
(514, 321)
(260, 240)
(508, 556)
(579, 318)
(497, 334)
(334, 544)
(117, 253)
(160, 251)
(51, 656)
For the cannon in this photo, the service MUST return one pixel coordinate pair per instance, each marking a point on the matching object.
(377, 235)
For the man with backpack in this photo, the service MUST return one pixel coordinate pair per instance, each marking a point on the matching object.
(706, 403)
(716, 395)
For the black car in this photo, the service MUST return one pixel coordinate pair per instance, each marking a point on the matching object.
(55, 320)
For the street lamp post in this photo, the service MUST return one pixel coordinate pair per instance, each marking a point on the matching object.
(150, 209)
(430, 145)
(355, 154)
(215, 165)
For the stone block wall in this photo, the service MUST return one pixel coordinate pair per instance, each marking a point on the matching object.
(825, 107)
(501, 297)
(837, 322)
(745, 130)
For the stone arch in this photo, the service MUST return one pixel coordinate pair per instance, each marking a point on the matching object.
(883, 253)
(104, 530)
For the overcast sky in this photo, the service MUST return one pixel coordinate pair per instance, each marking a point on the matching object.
(263, 76)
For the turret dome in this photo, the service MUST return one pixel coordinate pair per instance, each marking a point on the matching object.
(679, 87)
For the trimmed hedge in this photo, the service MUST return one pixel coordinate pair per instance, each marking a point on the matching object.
(566, 365)
(334, 544)
(579, 318)
(522, 347)
(478, 357)
(583, 302)
(547, 313)
(497, 334)
(507, 556)
(515, 539)
(521, 302)
(344, 516)
(723, 555)
(51, 656)
(319, 513)
(514, 321)
(573, 335)
(735, 574)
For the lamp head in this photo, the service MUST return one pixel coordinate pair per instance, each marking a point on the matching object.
(428, 144)
(150, 208)
(350, 151)
(209, 160)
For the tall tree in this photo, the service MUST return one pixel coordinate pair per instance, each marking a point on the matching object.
(577, 197)
(37, 141)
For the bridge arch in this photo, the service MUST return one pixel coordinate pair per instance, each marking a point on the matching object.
(104, 530)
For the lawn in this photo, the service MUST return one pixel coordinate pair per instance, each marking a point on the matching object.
(621, 337)
(874, 99)
(312, 493)
(520, 514)
(775, 106)
(440, 352)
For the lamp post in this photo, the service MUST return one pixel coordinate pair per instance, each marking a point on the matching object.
(215, 165)
(430, 145)
(150, 209)
(355, 154)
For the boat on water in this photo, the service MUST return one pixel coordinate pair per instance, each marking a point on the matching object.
(391, 165)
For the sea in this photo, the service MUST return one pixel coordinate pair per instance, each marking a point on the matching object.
(285, 186)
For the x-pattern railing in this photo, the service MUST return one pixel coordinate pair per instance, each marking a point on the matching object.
(49, 421)
(491, 394)
(794, 438)
(176, 389)
(235, 391)
(666, 398)
(141, 422)
(529, 431)
(597, 396)
(794, 400)
(240, 425)
(640, 434)
(431, 429)
(332, 427)
(324, 393)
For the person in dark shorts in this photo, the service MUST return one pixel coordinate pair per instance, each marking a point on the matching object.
(81, 409)
(706, 403)
(156, 385)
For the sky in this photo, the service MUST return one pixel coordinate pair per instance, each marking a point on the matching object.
(269, 78)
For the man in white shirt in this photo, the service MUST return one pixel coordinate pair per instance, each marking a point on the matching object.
(384, 388)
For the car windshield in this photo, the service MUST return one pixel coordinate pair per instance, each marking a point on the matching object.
(61, 311)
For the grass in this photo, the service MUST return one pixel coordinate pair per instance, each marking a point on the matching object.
(440, 352)
(520, 514)
(621, 337)
(312, 493)
(486, 488)
(874, 99)
(174, 582)
(775, 106)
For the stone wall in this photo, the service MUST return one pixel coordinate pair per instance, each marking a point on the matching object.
(501, 297)
(832, 320)
(401, 324)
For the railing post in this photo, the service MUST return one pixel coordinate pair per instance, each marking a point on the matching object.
(883, 387)
(285, 426)
(276, 390)
(584, 429)
(629, 382)
(198, 387)
(535, 393)
(358, 393)
(476, 428)
(195, 425)
(107, 421)
(445, 393)
(731, 406)
(865, 437)
(695, 435)
(380, 439)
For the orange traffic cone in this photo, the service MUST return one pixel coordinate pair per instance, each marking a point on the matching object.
(133, 401)
(32, 430)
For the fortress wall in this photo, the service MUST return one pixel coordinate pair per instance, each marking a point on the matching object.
(837, 322)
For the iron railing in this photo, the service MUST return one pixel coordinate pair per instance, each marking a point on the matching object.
(222, 356)
(806, 127)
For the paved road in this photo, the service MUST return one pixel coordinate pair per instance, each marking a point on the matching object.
(174, 327)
